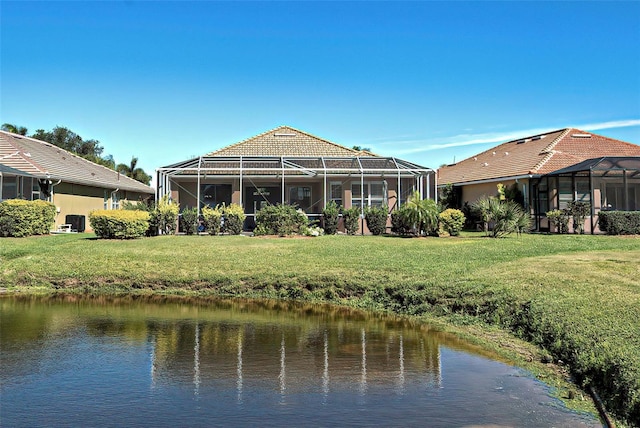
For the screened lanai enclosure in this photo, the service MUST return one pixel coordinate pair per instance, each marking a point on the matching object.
(607, 184)
(309, 182)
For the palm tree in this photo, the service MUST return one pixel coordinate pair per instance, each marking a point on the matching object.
(422, 213)
(9, 127)
(132, 171)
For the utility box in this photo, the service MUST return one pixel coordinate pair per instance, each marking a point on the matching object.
(76, 221)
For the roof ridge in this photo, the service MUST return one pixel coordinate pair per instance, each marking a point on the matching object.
(53, 146)
(324, 140)
(549, 150)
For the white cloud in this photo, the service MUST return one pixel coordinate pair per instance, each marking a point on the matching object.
(460, 140)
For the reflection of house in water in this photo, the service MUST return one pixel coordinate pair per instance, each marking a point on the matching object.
(293, 359)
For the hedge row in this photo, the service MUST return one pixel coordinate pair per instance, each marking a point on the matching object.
(121, 224)
(620, 222)
(20, 218)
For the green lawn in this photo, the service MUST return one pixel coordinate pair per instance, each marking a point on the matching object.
(577, 297)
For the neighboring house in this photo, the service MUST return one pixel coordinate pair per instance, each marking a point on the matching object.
(32, 169)
(551, 170)
(286, 165)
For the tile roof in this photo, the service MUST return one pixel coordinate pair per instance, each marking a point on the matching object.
(287, 141)
(40, 159)
(535, 155)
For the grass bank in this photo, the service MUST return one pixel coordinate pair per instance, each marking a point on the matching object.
(576, 297)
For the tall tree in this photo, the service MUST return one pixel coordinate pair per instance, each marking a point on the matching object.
(72, 142)
(133, 171)
(9, 127)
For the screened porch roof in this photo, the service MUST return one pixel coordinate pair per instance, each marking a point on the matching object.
(608, 165)
(294, 166)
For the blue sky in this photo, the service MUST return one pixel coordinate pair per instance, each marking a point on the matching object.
(425, 81)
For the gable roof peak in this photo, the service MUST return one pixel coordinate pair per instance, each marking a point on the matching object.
(286, 140)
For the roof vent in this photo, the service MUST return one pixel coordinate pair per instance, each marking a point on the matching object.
(485, 164)
(284, 134)
(475, 158)
(27, 154)
(581, 135)
(494, 153)
(521, 141)
(537, 137)
(506, 153)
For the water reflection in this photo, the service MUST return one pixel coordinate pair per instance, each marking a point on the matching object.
(246, 362)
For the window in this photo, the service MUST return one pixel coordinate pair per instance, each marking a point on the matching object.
(9, 188)
(300, 196)
(335, 192)
(374, 194)
(215, 194)
(115, 201)
(565, 191)
(543, 196)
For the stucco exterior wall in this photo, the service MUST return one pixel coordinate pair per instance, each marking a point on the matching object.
(75, 199)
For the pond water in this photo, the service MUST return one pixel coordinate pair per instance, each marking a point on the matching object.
(165, 362)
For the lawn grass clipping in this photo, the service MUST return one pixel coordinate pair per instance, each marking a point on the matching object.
(577, 297)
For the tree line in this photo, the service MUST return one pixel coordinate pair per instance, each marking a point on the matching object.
(92, 150)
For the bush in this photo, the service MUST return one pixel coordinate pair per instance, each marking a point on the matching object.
(376, 218)
(452, 221)
(619, 222)
(188, 220)
(560, 218)
(330, 218)
(167, 215)
(579, 211)
(20, 218)
(233, 216)
(401, 222)
(119, 224)
(212, 219)
(351, 218)
(280, 220)
(505, 217)
(150, 207)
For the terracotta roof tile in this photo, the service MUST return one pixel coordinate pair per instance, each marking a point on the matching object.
(40, 159)
(287, 141)
(537, 154)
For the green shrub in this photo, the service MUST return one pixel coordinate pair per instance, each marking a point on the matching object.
(119, 224)
(619, 222)
(188, 220)
(167, 215)
(376, 218)
(280, 220)
(452, 221)
(20, 218)
(149, 206)
(579, 211)
(233, 219)
(560, 219)
(504, 217)
(351, 218)
(402, 223)
(330, 218)
(212, 219)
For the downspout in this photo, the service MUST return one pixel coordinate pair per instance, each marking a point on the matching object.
(0, 186)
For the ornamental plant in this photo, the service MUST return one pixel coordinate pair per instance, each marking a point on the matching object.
(351, 218)
(376, 218)
(188, 220)
(212, 219)
(452, 221)
(233, 219)
(578, 210)
(167, 215)
(20, 218)
(119, 224)
(560, 220)
(330, 218)
(281, 220)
